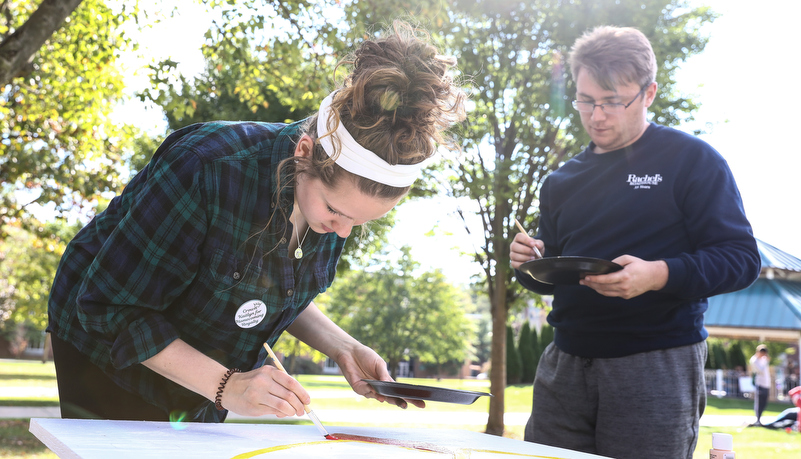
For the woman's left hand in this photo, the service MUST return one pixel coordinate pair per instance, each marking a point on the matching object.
(356, 360)
(361, 362)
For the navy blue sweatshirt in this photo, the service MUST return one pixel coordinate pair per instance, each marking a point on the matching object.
(668, 196)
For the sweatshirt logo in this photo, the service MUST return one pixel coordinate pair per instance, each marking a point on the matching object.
(645, 181)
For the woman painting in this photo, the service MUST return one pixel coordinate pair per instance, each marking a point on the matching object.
(162, 303)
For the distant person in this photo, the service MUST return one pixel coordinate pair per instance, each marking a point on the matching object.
(760, 365)
(162, 303)
(625, 374)
(789, 418)
(786, 419)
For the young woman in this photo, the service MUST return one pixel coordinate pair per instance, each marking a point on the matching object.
(162, 303)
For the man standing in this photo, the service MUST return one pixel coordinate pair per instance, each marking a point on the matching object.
(625, 372)
(760, 364)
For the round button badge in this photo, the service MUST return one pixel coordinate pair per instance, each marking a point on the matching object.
(250, 314)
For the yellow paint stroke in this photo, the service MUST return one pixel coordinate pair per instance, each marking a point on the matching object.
(457, 454)
(275, 448)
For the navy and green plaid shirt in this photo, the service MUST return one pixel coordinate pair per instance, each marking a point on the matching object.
(197, 234)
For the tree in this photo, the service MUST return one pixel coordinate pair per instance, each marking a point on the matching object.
(60, 146)
(720, 360)
(478, 312)
(263, 58)
(449, 330)
(546, 337)
(28, 263)
(215, 93)
(536, 351)
(514, 367)
(737, 356)
(401, 315)
(294, 348)
(527, 357)
(20, 42)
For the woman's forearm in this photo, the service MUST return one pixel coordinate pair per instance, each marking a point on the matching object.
(185, 365)
(265, 390)
(318, 331)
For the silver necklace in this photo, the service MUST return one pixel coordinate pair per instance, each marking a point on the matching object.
(299, 250)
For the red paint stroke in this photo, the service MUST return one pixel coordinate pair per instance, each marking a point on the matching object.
(423, 446)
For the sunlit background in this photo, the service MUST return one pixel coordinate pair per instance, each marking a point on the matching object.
(744, 81)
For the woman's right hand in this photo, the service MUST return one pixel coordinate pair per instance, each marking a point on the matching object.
(523, 249)
(265, 390)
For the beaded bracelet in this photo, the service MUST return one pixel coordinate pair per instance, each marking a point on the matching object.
(218, 398)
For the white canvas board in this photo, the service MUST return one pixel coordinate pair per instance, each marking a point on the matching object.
(96, 439)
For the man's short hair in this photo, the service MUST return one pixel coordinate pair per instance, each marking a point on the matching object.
(614, 56)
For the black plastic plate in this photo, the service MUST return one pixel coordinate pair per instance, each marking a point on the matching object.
(415, 392)
(567, 270)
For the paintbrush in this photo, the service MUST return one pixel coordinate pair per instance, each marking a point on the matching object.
(523, 230)
(308, 410)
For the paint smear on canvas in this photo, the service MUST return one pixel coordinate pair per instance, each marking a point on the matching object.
(460, 453)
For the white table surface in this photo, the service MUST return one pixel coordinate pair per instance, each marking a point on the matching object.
(96, 439)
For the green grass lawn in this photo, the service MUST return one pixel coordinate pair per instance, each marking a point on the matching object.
(31, 375)
(517, 398)
(752, 443)
(335, 393)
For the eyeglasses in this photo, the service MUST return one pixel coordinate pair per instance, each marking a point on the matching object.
(610, 108)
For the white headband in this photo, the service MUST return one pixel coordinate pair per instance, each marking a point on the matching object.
(358, 160)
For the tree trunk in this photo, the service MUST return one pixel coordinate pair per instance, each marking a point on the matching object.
(500, 311)
(495, 424)
(18, 49)
(498, 292)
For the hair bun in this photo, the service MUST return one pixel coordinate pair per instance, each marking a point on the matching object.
(399, 99)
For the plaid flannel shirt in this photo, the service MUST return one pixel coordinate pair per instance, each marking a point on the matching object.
(183, 252)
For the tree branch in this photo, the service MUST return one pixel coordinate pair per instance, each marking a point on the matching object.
(18, 49)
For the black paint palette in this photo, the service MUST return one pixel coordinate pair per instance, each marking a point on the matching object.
(567, 270)
(415, 392)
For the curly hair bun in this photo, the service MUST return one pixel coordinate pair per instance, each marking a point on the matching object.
(399, 97)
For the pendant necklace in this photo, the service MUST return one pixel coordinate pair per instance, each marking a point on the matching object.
(299, 250)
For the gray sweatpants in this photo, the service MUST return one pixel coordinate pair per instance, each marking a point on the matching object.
(642, 405)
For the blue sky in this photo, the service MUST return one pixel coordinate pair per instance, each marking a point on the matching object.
(745, 81)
